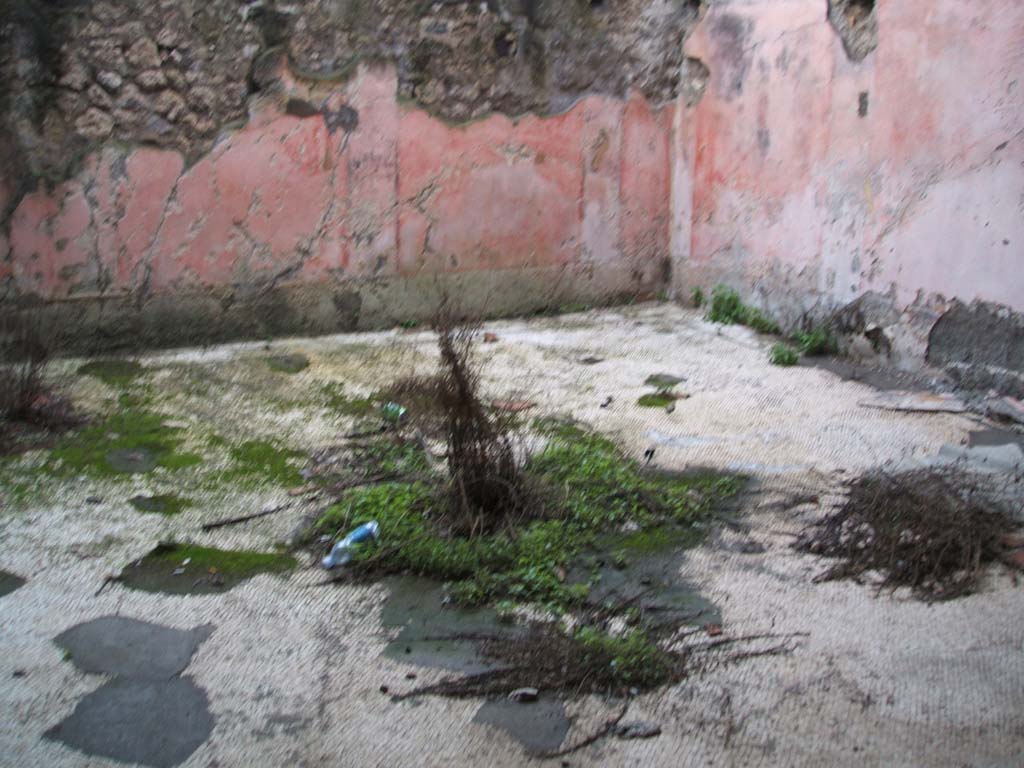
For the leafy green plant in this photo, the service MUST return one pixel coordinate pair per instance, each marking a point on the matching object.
(588, 486)
(697, 296)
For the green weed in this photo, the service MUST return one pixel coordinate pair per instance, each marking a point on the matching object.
(727, 307)
(783, 354)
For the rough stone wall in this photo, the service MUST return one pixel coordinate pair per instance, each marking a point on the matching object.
(174, 73)
(823, 171)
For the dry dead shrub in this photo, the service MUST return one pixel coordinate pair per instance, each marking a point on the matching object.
(488, 488)
(27, 405)
(931, 530)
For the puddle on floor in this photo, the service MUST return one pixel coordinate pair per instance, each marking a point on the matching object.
(132, 460)
(540, 725)
(417, 605)
(9, 582)
(885, 379)
(165, 504)
(293, 363)
(147, 713)
(994, 437)
(179, 569)
(643, 569)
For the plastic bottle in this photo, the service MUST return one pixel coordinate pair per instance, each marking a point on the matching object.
(341, 552)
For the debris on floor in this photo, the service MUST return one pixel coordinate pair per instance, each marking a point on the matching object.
(933, 531)
(923, 402)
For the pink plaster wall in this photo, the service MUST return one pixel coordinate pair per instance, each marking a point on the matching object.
(772, 182)
(802, 201)
(287, 200)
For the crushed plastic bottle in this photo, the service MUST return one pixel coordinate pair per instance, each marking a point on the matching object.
(393, 413)
(341, 552)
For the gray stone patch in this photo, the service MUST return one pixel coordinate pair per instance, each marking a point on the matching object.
(429, 627)
(981, 345)
(147, 713)
(152, 722)
(115, 645)
(9, 582)
(540, 726)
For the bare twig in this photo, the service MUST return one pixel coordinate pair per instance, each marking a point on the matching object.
(243, 518)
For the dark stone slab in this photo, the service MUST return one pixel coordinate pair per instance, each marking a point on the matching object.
(152, 722)
(115, 645)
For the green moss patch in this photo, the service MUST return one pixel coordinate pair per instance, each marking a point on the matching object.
(343, 404)
(166, 504)
(127, 442)
(262, 461)
(656, 400)
(186, 569)
(116, 373)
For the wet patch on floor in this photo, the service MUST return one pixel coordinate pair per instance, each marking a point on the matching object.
(115, 645)
(181, 569)
(112, 372)
(994, 437)
(540, 726)
(642, 571)
(132, 460)
(9, 582)
(147, 713)
(885, 379)
(293, 363)
(166, 504)
(435, 633)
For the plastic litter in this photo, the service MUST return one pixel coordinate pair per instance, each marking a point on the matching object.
(341, 552)
(393, 413)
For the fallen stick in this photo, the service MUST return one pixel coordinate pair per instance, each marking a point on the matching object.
(243, 518)
(106, 582)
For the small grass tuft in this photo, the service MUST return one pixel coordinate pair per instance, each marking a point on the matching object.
(697, 296)
(783, 354)
(816, 342)
(727, 307)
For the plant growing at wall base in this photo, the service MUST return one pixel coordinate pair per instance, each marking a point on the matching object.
(783, 354)
(817, 341)
(727, 307)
